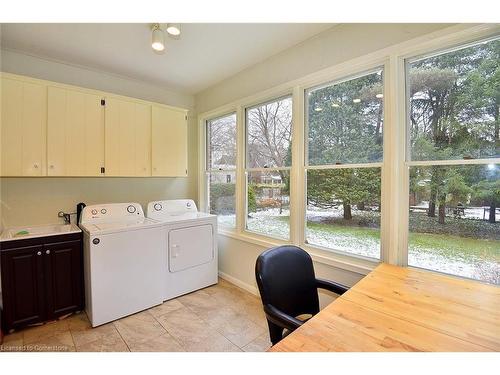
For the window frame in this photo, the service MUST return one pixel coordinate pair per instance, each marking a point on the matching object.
(208, 170)
(395, 171)
(248, 170)
(379, 164)
(408, 162)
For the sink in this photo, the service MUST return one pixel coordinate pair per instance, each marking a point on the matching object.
(18, 233)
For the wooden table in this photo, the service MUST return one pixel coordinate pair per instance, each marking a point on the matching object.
(404, 309)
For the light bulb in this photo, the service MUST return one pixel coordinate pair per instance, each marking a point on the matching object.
(174, 29)
(157, 39)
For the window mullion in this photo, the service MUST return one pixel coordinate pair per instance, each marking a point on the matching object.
(394, 195)
(240, 170)
(297, 175)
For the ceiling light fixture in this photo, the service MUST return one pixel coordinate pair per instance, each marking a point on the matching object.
(174, 29)
(318, 109)
(379, 96)
(157, 38)
(335, 105)
(356, 100)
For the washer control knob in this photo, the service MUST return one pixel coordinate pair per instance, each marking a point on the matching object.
(188, 204)
(131, 209)
(96, 241)
(157, 206)
(103, 211)
(94, 212)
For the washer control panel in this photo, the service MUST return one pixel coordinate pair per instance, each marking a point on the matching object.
(110, 212)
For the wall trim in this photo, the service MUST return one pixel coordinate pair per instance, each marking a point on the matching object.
(233, 280)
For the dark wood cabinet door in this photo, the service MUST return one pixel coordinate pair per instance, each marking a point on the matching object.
(63, 277)
(23, 286)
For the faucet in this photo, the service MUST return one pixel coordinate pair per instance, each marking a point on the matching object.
(66, 216)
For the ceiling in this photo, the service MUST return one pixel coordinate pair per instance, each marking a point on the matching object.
(204, 55)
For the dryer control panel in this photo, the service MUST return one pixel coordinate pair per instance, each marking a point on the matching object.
(110, 212)
(173, 207)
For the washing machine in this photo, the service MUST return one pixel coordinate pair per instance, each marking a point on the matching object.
(190, 245)
(123, 261)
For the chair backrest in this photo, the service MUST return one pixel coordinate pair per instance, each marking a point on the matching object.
(286, 280)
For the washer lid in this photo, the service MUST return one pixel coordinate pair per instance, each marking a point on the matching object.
(119, 226)
(183, 217)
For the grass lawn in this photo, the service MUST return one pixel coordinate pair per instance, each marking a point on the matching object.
(367, 240)
(449, 246)
(455, 247)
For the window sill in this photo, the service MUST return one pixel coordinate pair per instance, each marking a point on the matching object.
(330, 258)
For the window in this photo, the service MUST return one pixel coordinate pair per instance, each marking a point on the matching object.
(268, 161)
(344, 124)
(221, 168)
(453, 103)
(447, 158)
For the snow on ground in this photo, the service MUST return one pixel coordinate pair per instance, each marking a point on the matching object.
(469, 212)
(270, 222)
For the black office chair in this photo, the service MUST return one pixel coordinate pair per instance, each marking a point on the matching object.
(288, 288)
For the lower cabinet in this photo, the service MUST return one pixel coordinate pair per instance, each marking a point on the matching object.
(41, 281)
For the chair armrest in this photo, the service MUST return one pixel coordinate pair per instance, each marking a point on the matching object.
(331, 286)
(281, 319)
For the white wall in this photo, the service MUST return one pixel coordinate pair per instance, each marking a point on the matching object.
(237, 264)
(334, 46)
(25, 201)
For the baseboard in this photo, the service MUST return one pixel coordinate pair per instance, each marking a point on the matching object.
(233, 280)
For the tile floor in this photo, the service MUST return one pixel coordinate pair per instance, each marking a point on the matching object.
(219, 318)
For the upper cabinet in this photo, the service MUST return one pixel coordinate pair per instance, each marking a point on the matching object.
(128, 138)
(23, 128)
(51, 129)
(75, 133)
(169, 142)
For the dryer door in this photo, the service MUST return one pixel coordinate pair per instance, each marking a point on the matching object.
(189, 247)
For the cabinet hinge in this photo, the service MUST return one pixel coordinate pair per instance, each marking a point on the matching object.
(103, 170)
(103, 102)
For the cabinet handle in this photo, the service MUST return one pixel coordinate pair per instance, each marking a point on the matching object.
(35, 166)
(51, 166)
(47, 252)
(39, 253)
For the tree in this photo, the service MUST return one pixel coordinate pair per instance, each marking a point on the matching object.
(333, 187)
(222, 138)
(345, 122)
(454, 102)
(489, 193)
(269, 134)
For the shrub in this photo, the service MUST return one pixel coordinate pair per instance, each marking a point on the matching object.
(252, 201)
(222, 197)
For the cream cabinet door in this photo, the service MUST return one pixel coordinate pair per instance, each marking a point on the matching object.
(23, 128)
(128, 138)
(75, 133)
(169, 142)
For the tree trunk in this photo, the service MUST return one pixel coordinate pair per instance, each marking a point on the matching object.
(435, 181)
(347, 211)
(441, 213)
(497, 121)
(493, 209)
(431, 212)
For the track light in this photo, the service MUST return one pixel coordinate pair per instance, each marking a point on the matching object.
(174, 29)
(157, 38)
